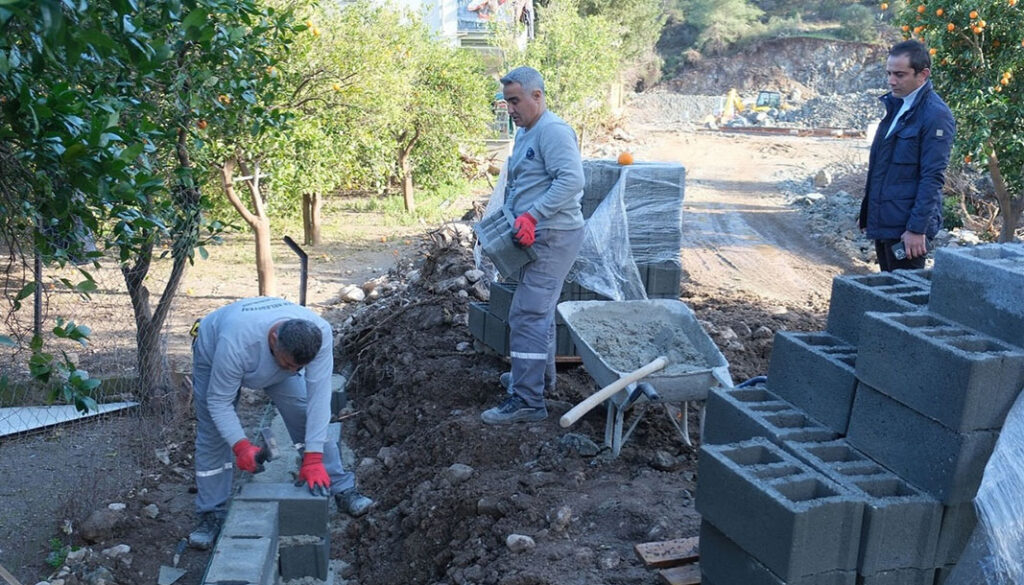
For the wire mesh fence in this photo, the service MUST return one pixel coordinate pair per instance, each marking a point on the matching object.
(109, 353)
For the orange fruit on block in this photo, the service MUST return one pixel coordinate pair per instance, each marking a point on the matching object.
(625, 158)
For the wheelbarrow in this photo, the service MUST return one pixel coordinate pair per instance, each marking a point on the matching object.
(640, 353)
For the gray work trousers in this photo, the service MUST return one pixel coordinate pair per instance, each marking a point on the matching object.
(215, 460)
(532, 316)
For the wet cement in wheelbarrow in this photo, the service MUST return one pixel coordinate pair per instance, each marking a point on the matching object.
(627, 337)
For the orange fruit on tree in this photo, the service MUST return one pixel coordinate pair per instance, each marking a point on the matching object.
(967, 158)
(224, 99)
(1005, 81)
(884, 6)
(202, 124)
(951, 27)
(918, 29)
(921, 8)
(981, 24)
(932, 51)
(939, 12)
(1011, 2)
(974, 14)
(626, 158)
(905, 27)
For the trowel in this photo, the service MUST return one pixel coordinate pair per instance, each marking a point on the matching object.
(169, 575)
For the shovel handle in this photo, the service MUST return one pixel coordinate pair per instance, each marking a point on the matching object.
(603, 394)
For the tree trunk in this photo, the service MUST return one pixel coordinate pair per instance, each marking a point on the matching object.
(407, 143)
(1009, 207)
(311, 205)
(151, 363)
(258, 221)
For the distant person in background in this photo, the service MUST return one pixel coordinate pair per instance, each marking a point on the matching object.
(543, 191)
(902, 206)
(288, 351)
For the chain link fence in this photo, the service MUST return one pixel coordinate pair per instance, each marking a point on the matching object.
(109, 353)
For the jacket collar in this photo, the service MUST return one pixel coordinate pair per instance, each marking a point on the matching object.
(890, 101)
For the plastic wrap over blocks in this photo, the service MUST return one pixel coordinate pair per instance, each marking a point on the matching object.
(791, 518)
(853, 295)
(901, 524)
(814, 372)
(981, 287)
(723, 561)
(941, 462)
(963, 379)
(738, 414)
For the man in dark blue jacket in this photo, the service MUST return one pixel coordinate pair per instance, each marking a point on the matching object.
(903, 198)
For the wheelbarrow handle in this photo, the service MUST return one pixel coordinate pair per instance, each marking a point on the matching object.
(608, 391)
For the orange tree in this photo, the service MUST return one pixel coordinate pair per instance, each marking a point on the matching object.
(105, 107)
(977, 49)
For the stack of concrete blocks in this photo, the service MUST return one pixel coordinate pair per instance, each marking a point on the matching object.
(898, 403)
(653, 196)
(274, 531)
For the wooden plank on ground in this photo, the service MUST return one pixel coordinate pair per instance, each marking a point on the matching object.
(668, 553)
(682, 575)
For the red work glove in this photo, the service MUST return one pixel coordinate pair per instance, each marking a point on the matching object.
(245, 455)
(525, 227)
(313, 474)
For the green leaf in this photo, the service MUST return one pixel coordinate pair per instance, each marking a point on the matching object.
(195, 19)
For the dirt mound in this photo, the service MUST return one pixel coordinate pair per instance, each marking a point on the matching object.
(453, 492)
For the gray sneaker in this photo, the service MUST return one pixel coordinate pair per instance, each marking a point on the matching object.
(353, 503)
(513, 410)
(206, 531)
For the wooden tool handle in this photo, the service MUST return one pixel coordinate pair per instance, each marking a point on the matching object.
(601, 395)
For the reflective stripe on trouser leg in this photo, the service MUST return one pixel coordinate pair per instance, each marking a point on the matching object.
(290, 399)
(532, 316)
(214, 459)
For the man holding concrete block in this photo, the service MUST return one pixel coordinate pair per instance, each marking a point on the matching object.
(543, 191)
(287, 350)
(902, 206)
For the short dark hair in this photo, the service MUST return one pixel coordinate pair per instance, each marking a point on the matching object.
(300, 339)
(527, 77)
(916, 52)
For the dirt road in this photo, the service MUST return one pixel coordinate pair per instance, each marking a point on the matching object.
(739, 232)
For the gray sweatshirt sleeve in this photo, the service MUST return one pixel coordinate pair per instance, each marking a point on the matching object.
(318, 391)
(561, 155)
(225, 380)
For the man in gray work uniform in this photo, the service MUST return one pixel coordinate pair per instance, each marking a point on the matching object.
(544, 189)
(287, 350)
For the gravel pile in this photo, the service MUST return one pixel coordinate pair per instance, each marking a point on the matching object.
(666, 110)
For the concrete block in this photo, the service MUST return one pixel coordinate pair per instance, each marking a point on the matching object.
(901, 524)
(940, 462)
(243, 561)
(792, 519)
(958, 523)
(501, 299)
(899, 577)
(980, 287)
(814, 372)
(738, 414)
(496, 333)
(304, 557)
(250, 519)
(723, 561)
(478, 319)
(922, 275)
(661, 279)
(299, 512)
(853, 295)
(564, 345)
(963, 379)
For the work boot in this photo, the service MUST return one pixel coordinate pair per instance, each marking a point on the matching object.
(353, 503)
(206, 531)
(513, 410)
(505, 379)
